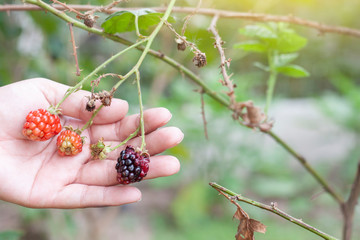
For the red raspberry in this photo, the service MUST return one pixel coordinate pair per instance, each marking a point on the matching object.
(132, 165)
(69, 143)
(41, 125)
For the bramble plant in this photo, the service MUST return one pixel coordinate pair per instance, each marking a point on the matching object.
(273, 38)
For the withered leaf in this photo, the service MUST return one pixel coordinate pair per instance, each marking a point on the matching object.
(257, 226)
(247, 226)
(255, 114)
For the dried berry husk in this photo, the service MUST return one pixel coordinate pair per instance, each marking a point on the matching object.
(99, 150)
(199, 59)
(90, 105)
(181, 45)
(105, 98)
(89, 20)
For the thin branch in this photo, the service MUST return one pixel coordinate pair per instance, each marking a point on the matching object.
(193, 47)
(69, 8)
(78, 72)
(223, 61)
(188, 17)
(273, 208)
(355, 190)
(308, 167)
(106, 8)
(203, 114)
(141, 123)
(259, 17)
(348, 208)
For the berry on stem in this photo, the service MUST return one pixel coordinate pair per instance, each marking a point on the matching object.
(69, 142)
(132, 165)
(99, 150)
(41, 124)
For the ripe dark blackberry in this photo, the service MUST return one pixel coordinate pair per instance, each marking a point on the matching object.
(132, 165)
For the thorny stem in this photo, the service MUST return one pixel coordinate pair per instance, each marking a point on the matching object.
(183, 38)
(142, 125)
(203, 114)
(104, 8)
(188, 17)
(273, 208)
(126, 140)
(348, 208)
(74, 50)
(258, 17)
(68, 8)
(223, 61)
(90, 121)
(307, 166)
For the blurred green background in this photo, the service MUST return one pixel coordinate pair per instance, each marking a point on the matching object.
(317, 115)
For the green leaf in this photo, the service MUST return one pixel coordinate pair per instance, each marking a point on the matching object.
(275, 36)
(251, 46)
(288, 42)
(261, 31)
(124, 21)
(284, 59)
(293, 71)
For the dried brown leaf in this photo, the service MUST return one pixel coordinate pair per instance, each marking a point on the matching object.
(240, 214)
(255, 115)
(247, 226)
(257, 226)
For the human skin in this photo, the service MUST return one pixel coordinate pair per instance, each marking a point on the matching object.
(33, 174)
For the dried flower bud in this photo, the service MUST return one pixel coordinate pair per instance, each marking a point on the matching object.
(199, 59)
(181, 45)
(105, 98)
(255, 115)
(99, 150)
(89, 20)
(90, 105)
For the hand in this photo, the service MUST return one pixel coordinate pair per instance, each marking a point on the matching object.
(32, 174)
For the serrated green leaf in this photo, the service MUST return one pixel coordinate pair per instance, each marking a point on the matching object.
(124, 21)
(284, 59)
(251, 46)
(293, 71)
(260, 31)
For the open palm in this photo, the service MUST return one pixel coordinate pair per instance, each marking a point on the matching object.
(32, 173)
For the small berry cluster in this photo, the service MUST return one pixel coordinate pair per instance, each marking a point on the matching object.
(42, 125)
(69, 142)
(132, 165)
